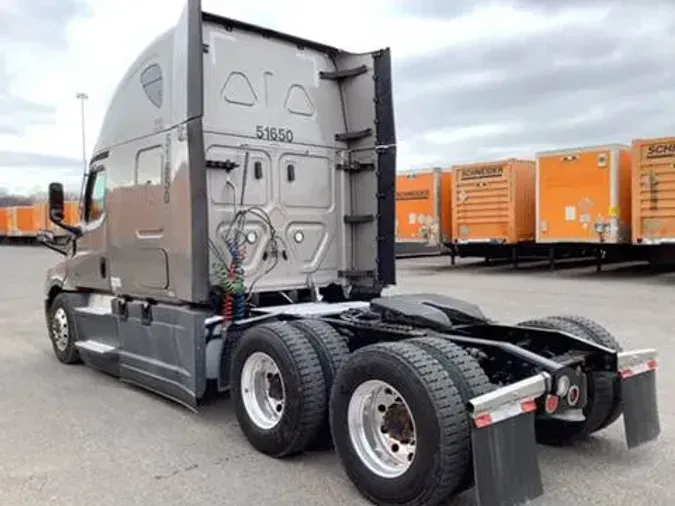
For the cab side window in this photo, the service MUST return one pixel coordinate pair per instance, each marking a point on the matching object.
(95, 196)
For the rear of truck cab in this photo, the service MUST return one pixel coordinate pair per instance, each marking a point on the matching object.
(301, 131)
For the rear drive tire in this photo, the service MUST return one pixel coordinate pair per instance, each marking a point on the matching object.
(558, 432)
(400, 400)
(595, 332)
(62, 329)
(332, 351)
(467, 375)
(277, 388)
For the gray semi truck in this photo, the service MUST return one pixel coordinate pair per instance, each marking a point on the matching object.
(237, 233)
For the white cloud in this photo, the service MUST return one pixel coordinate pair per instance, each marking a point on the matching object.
(495, 80)
(100, 48)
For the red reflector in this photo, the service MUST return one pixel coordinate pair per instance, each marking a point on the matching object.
(529, 406)
(552, 402)
(639, 369)
(483, 421)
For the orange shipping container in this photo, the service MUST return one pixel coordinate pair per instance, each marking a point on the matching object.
(653, 191)
(493, 202)
(423, 207)
(27, 221)
(72, 213)
(24, 221)
(40, 218)
(583, 195)
(4, 221)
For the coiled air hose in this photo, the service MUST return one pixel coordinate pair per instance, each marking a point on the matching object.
(231, 280)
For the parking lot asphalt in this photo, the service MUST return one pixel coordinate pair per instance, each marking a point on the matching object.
(72, 436)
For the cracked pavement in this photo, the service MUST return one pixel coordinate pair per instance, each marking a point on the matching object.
(72, 436)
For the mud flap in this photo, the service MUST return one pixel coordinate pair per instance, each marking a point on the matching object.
(505, 463)
(638, 392)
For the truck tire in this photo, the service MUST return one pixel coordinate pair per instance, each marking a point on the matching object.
(277, 388)
(62, 329)
(467, 375)
(332, 350)
(558, 432)
(384, 396)
(595, 332)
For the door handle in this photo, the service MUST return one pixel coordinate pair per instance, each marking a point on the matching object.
(103, 267)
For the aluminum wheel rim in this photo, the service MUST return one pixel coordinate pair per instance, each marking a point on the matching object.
(382, 429)
(60, 333)
(263, 391)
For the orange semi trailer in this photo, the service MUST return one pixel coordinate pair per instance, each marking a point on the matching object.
(493, 203)
(653, 191)
(27, 221)
(423, 215)
(584, 195)
(4, 221)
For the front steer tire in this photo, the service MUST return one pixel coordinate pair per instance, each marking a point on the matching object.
(303, 388)
(600, 404)
(442, 448)
(62, 329)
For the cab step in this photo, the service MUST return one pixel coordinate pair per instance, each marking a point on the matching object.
(99, 355)
(93, 311)
(97, 347)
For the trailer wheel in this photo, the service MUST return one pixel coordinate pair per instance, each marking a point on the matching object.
(601, 395)
(332, 351)
(399, 426)
(467, 374)
(277, 388)
(595, 332)
(62, 329)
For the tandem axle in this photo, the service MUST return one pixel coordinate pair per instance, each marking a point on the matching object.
(407, 388)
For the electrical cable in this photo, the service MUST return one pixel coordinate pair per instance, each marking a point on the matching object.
(230, 274)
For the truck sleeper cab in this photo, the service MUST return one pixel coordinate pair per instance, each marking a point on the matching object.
(237, 234)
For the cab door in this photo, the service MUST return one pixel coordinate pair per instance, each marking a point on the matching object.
(89, 265)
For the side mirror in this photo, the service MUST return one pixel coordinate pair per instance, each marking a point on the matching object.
(56, 204)
(56, 209)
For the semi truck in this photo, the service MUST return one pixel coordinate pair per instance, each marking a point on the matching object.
(238, 235)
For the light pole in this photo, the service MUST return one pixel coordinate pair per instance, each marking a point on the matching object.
(81, 96)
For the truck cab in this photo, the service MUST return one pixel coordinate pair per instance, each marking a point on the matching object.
(237, 233)
(219, 147)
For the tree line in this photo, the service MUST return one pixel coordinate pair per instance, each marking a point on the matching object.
(9, 199)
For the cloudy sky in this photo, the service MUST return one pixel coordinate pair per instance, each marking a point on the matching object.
(474, 79)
